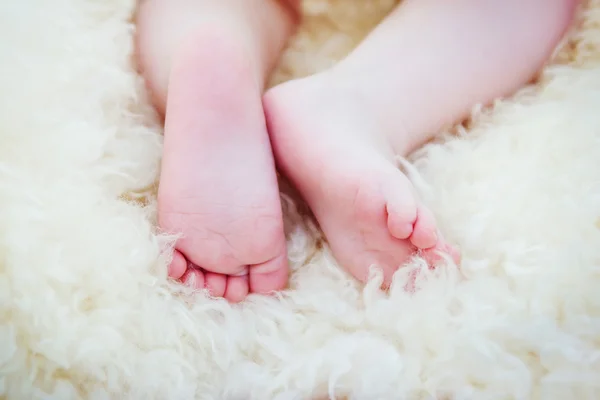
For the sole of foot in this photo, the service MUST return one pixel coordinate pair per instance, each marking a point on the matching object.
(218, 185)
(325, 142)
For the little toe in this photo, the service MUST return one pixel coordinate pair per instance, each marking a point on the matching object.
(178, 265)
(193, 277)
(215, 283)
(425, 234)
(237, 288)
(401, 207)
(269, 276)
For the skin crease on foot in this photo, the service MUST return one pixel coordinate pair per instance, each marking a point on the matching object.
(334, 134)
(218, 186)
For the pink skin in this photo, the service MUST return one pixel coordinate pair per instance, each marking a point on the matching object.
(205, 63)
(334, 134)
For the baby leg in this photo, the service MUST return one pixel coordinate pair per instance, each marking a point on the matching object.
(336, 134)
(205, 62)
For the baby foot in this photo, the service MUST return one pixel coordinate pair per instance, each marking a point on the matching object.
(218, 185)
(365, 205)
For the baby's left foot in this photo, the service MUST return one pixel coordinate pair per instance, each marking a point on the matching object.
(324, 142)
(218, 187)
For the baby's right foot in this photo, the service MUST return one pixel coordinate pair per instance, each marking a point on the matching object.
(327, 145)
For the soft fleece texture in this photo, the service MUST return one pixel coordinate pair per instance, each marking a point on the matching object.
(87, 311)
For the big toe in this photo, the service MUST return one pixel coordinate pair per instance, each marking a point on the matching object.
(406, 219)
(401, 205)
(269, 276)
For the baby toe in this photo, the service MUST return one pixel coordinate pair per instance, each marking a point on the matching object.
(425, 234)
(178, 265)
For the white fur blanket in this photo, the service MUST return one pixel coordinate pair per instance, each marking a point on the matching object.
(86, 310)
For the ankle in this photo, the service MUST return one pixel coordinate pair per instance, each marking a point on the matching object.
(222, 54)
(261, 28)
(395, 121)
(167, 30)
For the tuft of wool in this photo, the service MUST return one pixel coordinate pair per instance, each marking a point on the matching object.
(87, 311)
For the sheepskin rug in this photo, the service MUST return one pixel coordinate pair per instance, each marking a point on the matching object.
(87, 311)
